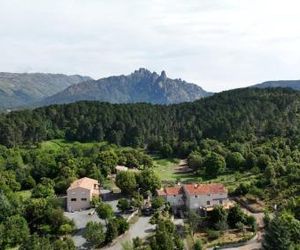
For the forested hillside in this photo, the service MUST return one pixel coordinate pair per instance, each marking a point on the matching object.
(241, 115)
(247, 139)
(21, 89)
(293, 84)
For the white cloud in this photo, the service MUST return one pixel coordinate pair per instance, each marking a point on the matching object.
(219, 44)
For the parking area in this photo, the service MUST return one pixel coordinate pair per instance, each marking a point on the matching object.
(81, 218)
(140, 229)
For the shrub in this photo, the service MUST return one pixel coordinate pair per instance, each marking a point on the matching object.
(213, 234)
(94, 233)
(123, 204)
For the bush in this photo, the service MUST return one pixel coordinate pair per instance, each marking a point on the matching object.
(111, 231)
(242, 189)
(198, 245)
(213, 234)
(95, 201)
(94, 233)
(122, 225)
(123, 204)
(157, 202)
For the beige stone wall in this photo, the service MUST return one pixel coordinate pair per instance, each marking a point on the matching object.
(175, 200)
(78, 198)
(197, 201)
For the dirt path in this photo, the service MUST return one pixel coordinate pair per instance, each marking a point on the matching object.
(182, 167)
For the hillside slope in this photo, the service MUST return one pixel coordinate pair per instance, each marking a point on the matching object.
(21, 89)
(243, 114)
(140, 86)
(293, 84)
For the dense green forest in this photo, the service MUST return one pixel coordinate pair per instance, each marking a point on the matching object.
(239, 131)
(238, 115)
(32, 179)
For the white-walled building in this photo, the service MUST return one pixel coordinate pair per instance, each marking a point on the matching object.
(81, 192)
(195, 196)
(205, 195)
(173, 195)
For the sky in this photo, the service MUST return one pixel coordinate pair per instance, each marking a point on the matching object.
(217, 44)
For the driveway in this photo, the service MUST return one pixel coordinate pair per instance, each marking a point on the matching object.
(140, 229)
(81, 218)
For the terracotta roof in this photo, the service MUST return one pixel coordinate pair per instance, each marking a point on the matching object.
(171, 191)
(85, 182)
(212, 188)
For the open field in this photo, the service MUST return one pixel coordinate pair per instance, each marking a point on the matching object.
(60, 144)
(167, 170)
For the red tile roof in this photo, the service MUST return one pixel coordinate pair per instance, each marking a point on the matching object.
(198, 189)
(170, 191)
(85, 182)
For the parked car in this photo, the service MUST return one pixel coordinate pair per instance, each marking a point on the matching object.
(147, 211)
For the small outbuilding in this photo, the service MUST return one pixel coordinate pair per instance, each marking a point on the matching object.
(81, 192)
(120, 168)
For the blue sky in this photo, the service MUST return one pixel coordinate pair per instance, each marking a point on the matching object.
(217, 44)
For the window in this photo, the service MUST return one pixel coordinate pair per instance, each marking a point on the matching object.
(174, 195)
(220, 201)
(73, 199)
(196, 196)
(208, 194)
(83, 199)
(208, 202)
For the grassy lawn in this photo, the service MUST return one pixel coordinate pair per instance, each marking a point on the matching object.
(24, 194)
(109, 184)
(166, 170)
(232, 180)
(58, 144)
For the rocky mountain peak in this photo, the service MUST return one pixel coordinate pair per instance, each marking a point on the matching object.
(163, 75)
(142, 71)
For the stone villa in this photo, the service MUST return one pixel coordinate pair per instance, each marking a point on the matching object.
(81, 192)
(195, 196)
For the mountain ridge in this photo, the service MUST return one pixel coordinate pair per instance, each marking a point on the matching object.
(139, 86)
(293, 84)
(23, 89)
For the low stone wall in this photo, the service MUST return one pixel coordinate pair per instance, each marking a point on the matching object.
(132, 215)
(243, 242)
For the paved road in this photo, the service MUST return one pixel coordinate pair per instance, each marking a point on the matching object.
(140, 229)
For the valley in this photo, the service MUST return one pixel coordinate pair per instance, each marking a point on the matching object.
(135, 152)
